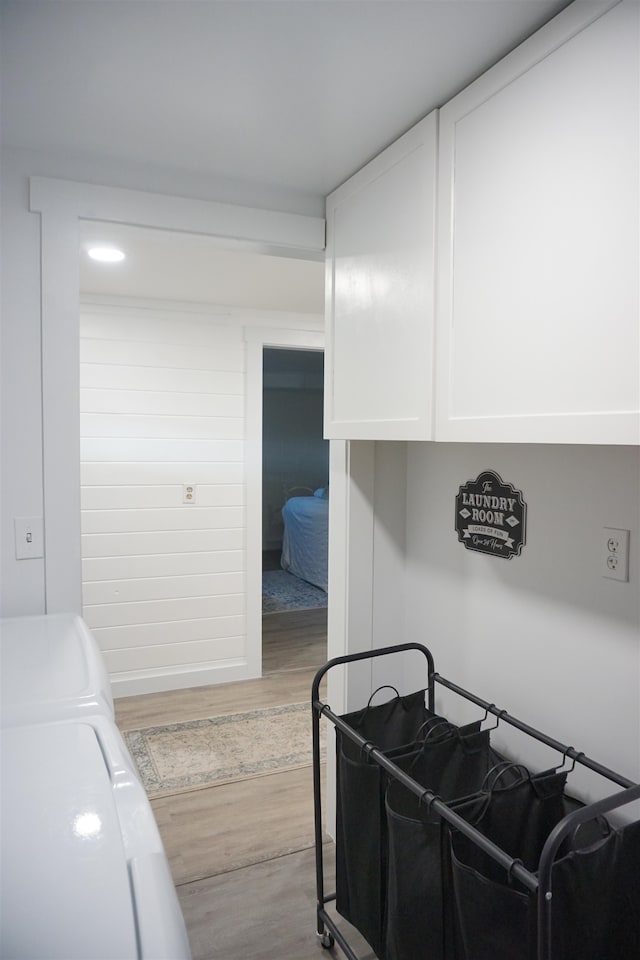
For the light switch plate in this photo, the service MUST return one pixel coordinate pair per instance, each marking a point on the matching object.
(29, 537)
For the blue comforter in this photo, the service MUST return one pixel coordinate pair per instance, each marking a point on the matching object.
(305, 540)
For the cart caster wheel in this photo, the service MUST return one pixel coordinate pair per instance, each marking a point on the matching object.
(327, 941)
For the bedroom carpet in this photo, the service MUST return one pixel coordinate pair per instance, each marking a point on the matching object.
(282, 591)
(201, 753)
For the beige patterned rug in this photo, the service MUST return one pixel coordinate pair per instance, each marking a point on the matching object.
(237, 746)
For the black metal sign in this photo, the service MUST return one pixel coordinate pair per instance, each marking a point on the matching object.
(491, 516)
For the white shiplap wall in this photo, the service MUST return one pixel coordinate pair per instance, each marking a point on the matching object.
(162, 405)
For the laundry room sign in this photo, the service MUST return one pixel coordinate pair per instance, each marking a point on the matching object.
(491, 516)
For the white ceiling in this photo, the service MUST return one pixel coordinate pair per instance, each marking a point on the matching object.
(285, 97)
(185, 267)
(292, 93)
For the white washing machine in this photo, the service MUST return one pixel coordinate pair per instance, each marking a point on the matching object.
(84, 871)
(52, 668)
(84, 875)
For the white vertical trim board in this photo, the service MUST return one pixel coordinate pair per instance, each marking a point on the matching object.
(60, 410)
(350, 624)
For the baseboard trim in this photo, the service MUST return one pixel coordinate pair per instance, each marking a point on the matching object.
(138, 682)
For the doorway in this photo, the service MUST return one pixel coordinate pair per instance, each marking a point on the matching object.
(295, 509)
(62, 206)
(166, 401)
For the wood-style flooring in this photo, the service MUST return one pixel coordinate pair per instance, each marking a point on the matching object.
(241, 854)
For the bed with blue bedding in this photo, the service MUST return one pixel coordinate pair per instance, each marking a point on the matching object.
(305, 538)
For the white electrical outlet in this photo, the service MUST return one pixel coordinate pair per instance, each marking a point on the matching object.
(29, 537)
(615, 553)
(189, 493)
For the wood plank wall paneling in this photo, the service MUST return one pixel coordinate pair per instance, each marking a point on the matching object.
(162, 405)
(95, 400)
(160, 542)
(186, 517)
(127, 376)
(97, 474)
(142, 448)
(173, 654)
(109, 568)
(129, 497)
(163, 588)
(158, 328)
(148, 634)
(96, 425)
(172, 355)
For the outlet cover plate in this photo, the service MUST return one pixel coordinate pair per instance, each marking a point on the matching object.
(615, 553)
(189, 493)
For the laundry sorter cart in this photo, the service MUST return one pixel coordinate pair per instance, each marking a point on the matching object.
(543, 897)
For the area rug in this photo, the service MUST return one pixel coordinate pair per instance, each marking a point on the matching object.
(282, 591)
(201, 753)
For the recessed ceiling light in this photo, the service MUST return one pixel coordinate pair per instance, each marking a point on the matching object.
(106, 254)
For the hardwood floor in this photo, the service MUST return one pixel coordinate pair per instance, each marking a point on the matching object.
(263, 912)
(294, 641)
(223, 828)
(241, 853)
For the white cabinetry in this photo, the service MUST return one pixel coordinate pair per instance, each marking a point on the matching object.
(380, 298)
(538, 252)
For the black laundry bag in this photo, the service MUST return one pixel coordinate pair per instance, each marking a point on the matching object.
(595, 879)
(596, 899)
(454, 766)
(360, 823)
(393, 723)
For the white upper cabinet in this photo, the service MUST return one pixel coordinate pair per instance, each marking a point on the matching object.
(538, 252)
(380, 295)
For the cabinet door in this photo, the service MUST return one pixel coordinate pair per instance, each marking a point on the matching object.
(538, 253)
(379, 295)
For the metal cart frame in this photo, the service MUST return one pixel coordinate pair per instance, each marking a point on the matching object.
(540, 883)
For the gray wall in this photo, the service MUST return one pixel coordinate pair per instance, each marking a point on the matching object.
(543, 634)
